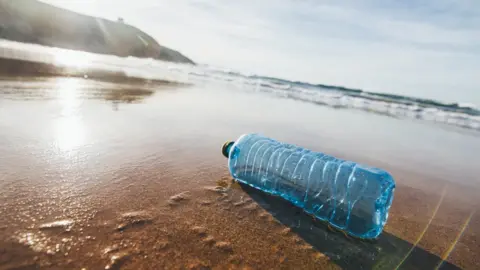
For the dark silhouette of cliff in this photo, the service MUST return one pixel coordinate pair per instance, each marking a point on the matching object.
(32, 21)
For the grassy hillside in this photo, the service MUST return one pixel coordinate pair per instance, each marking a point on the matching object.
(35, 22)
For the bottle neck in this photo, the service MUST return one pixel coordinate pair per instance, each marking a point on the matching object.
(226, 149)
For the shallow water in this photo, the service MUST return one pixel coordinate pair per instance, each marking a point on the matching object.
(99, 174)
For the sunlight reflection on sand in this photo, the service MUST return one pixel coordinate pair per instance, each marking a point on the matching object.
(69, 128)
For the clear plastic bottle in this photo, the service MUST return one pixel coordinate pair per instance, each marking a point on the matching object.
(349, 196)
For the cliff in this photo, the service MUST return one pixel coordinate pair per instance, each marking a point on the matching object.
(32, 21)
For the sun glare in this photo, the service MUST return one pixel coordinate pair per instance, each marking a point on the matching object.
(72, 59)
(69, 128)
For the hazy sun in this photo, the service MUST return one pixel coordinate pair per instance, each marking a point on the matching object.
(72, 59)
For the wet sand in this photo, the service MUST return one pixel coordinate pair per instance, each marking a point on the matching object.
(105, 175)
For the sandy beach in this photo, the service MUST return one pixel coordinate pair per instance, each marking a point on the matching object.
(102, 174)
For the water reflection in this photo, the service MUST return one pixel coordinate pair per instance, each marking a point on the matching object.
(71, 91)
(129, 95)
(69, 128)
(69, 133)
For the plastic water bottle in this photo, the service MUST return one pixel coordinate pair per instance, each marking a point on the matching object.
(351, 197)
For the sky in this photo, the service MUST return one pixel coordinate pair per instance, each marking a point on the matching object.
(427, 48)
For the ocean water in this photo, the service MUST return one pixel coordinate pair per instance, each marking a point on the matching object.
(425, 136)
(464, 115)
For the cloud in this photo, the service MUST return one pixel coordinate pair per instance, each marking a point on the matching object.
(427, 49)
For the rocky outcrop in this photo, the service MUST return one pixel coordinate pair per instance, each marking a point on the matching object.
(32, 21)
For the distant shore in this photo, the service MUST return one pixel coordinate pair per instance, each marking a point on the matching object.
(35, 22)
